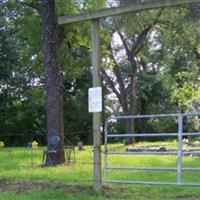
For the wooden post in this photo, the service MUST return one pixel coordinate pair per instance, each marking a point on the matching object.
(97, 185)
(133, 7)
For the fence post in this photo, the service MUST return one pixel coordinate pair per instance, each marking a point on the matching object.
(179, 164)
(105, 150)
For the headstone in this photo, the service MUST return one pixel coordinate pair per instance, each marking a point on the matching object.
(80, 146)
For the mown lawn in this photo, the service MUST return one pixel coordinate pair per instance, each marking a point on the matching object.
(23, 178)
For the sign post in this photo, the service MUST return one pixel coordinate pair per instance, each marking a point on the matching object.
(97, 185)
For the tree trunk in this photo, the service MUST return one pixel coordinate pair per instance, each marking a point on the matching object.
(130, 130)
(129, 124)
(54, 93)
(143, 121)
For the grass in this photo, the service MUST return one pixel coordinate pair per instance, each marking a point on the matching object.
(21, 176)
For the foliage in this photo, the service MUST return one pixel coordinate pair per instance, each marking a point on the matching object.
(22, 75)
(167, 77)
(166, 58)
(189, 91)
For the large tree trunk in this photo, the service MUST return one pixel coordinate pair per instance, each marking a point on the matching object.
(143, 121)
(130, 130)
(129, 125)
(54, 93)
(133, 95)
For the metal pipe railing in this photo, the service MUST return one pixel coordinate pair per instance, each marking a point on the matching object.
(151, 135)
(179, 152)
(153, 168)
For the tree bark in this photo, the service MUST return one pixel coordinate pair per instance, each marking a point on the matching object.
(133, 93)
(130, 130)
(143, 121)
(54, 92)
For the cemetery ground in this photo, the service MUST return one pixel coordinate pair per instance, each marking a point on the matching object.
(23, 178)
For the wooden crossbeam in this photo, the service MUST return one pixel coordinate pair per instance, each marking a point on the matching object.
(106, 12)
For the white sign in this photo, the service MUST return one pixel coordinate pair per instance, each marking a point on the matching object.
(95, 99)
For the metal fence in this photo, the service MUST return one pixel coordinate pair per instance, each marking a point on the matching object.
(34, 145)
(179, 152)
(23, 160)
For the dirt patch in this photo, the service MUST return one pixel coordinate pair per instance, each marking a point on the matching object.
(23, 186)
(188, 197)
(110, 192)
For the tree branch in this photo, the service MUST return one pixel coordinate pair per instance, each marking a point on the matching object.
(111, 84)
(124, 43)
(119, 79)
(139, 43)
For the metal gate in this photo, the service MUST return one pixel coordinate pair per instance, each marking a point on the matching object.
(179, 152)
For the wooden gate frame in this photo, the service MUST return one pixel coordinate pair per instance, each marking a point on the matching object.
(95, 17)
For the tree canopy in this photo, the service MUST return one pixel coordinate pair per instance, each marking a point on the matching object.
(150, 64)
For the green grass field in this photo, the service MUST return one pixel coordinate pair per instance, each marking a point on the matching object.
(23, 178)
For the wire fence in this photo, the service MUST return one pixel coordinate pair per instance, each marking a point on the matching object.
(22, 158)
